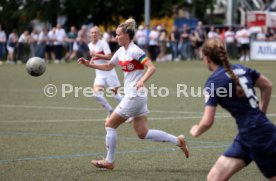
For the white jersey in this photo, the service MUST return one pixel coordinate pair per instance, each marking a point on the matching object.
(3, 37)
(141, 37)
(243, 36)
(213, 34)
(229, 36)
(131, 61)
(101, 47)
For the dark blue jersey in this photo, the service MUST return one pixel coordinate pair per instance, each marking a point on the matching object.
(221, 89)
(256, 139)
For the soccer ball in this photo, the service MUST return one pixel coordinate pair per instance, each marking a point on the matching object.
(36, 66)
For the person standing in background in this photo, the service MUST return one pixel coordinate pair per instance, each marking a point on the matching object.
(244, 38)
(11, 45)
(141, 38)
(229, 38)
(184, 45)
(49, 49)
(174, 40)
(71, 40)
(42, 40)
(200, 35)
(153, 43)
(33, 41)
(162, 42)
(3, 40)
(58, 43)
(23, 46)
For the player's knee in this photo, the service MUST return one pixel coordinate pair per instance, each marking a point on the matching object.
(108, 124)
(141, 135)
(98, 94)
(214, 175)
(209, 177)
(114, 91)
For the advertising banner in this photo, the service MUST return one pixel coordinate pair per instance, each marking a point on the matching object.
(263, 50)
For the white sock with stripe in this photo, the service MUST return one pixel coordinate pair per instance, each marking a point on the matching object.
(118, 97)
(102, 100)
(161, 136)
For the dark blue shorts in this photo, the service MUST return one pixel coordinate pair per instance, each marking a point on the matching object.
(258, 146)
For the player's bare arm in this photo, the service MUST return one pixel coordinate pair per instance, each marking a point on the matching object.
(90, 64)
(265, 86)
(101, 56)
(150, 71)
(206, 122)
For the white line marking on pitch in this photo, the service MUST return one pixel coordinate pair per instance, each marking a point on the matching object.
(102, 119)
(92, 109)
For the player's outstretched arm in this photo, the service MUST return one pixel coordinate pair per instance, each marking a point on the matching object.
(101, 56)
(265, 86)
(206, 122)
(87, 63)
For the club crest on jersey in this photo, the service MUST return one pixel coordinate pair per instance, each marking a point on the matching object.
(130, 66)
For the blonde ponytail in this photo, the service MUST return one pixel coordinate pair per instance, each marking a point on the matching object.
(129, 27)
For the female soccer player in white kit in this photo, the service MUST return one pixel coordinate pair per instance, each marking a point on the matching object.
(101, 53)
(132, 60)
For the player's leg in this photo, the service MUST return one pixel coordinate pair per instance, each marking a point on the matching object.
(224, 168)
(117, 96)
(98, 94)
(140, 125)
(113, 84)
(111, 124)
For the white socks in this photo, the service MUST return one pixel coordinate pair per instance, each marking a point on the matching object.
(110, 141)
(161, 136)
(155, 135)
(118, 97)
(102, 100)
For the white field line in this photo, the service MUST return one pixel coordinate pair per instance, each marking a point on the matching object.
(197, 116)
(102, 119)
(50, 107)
(21, 90)
(92, 109)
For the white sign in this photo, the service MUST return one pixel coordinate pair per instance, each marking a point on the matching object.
(271, 19)
(260, 19)
(263, 50)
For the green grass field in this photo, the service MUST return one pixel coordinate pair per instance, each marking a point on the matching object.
(54, 138)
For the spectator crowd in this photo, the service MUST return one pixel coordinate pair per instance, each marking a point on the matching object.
(183, 43)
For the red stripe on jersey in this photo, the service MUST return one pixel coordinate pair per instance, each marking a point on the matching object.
(97, 58)
(130, 65)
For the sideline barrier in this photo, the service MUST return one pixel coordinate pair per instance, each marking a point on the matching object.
(263, 50)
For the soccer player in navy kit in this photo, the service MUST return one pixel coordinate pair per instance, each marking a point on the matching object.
(256, 139)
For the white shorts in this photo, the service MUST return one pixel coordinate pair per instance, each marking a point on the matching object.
(132, 107)
(10, 49)
(75, 46)
(110, 82)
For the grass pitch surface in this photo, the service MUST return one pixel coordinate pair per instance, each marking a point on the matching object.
(54, 138)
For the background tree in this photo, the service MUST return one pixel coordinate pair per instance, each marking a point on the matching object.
(18, 13)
